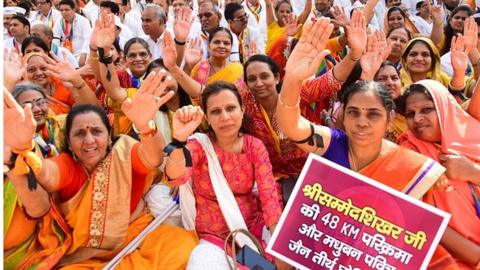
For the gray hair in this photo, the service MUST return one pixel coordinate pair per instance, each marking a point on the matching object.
(214, 6)
(158, 11)
(45, 29)
(22, 87)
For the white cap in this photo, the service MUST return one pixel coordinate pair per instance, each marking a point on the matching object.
(14, 11)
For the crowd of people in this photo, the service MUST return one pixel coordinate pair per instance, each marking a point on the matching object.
(115, 108)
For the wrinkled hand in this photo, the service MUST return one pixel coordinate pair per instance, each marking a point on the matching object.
(459, 54)
(13, 69)
(185, 121)
(470, 33)
(193, 52)
(291, 25)
(357, 34)
(146, 102)
(182, 24)
(103, 34)
(340, 17)
(437, 14)
(169, 53)
(458, 166)
(63, 70)
(310, 50)
(18, 123)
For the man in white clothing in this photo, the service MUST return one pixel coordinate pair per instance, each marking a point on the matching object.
(20, 29)
(153, 24)
(92, 10)
(131, 18)
(46, 13)
(237, 19)
(72, 31)
(257, 16)
(177, 6)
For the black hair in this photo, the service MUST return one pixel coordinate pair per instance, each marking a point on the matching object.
(220, 29)
(351, 79)
(395, 8)
(230, 9)
(125, 2)
(83, 109)
(27, 5)
(281, 2)
(387, 64)
(35, 40)
(217, 87)
(111, 5)
(448, 30)
(379, 89)
(413, 43)
(69, 3)
(263, 59)
(134, 40)
(390, 31)
(23, 87)
(413, 89)
(182, 95)
(24, 21)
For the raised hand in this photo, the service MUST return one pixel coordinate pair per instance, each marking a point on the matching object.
(18, 123)
(291, 25)
(437, 14)
(340, 17)
(357, 34)
(13, 69)
(193, 52)
(470, 33)
(252, 49)
(185, 121)
(459, 54)
(146, 102)
(63, 70)
(182, 24)
(169, 51)
(310, 50)
(103, 34)
(377, 52)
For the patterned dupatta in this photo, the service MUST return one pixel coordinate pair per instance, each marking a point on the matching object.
(67, 29)
(49, 18)
(255, 9)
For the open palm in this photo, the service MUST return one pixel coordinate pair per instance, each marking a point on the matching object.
(103, 34)
(169, 51)
(459, 55)
(357, 33)
(18, 123)
(182, 24)
(145, 104)
(193, 52)
(310, 50)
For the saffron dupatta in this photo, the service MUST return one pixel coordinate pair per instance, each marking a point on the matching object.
(460, 132)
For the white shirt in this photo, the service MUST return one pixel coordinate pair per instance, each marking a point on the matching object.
(92, 11)
(54, 15)
(124, 36)
(423, 26)
(298, 6)
(194, 30)
(261, 24)
(81, 35)
(11, 43)
(133, 20)
(65, 55)
(252, 35)
(155, 47)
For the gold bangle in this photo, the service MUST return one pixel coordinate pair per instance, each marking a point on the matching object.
(286, 106)
(96, 58)
(456, 88)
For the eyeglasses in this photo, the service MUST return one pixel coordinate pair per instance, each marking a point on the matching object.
(206, 15)
(38, 102)
(133, 56)
(242, 18)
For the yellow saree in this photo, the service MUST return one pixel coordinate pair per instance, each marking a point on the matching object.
(232, 73)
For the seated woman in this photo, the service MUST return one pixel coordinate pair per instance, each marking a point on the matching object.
(226, 165)
(64, 86)
(49, 137)
(368, 110)
(35, 233)
(100, 184)
(443, 131)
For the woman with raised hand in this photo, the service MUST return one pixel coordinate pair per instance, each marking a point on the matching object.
(367, 111)
(35, 232)
(100, 183)
(443, 131)
(226, 164)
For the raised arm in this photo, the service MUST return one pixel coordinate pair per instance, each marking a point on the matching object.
(141, 110)
(437, 29)
(192, 87)
(369, 10)
(302, 63)
(377, 52)
(181, 29)
(270, 12)
(459, 59)
(302, 18)
(13, 69)
(185, 121)
(72, 79)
